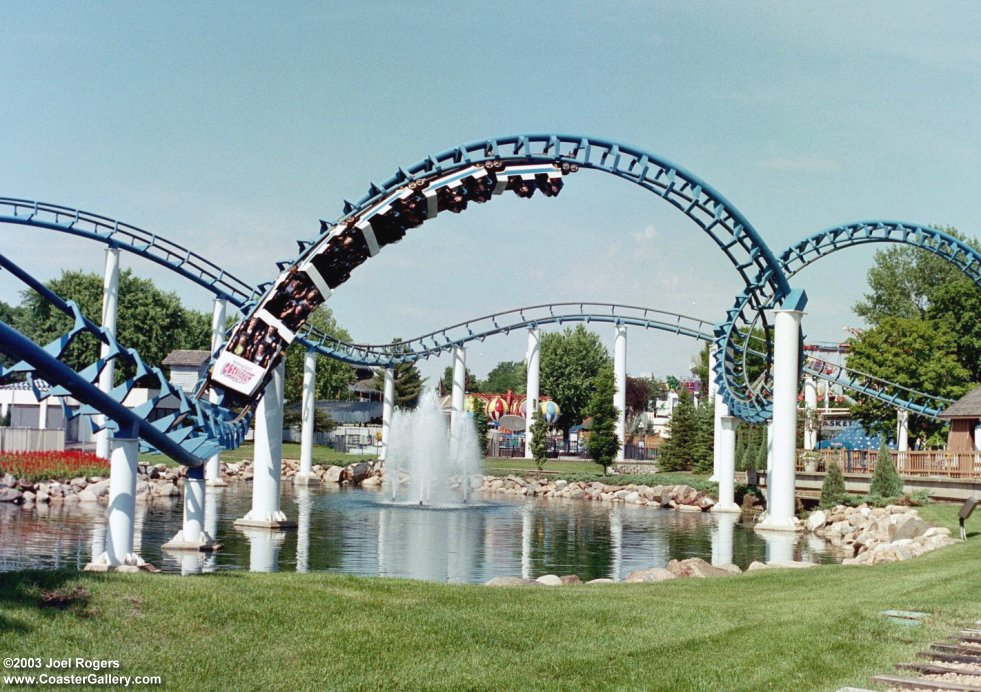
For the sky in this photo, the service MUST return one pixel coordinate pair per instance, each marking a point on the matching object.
(232, 127)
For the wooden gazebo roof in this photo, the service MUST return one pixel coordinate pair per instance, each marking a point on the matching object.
(968, 406)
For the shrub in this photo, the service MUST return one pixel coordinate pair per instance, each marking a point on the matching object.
(886, 482)
(42, 466)
(833, 488)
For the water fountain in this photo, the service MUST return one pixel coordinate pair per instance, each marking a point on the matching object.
(427, 463)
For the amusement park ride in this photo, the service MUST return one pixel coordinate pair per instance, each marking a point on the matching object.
(245, 377)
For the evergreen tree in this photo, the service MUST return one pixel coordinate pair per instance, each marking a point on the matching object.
(408, 381)
(603, 443)
(886, 482)
(705, 449)
(833, 487)
(679, 451)
(539, 439)
(479, 411)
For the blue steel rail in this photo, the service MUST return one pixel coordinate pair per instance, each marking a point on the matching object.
(444, 340)
(124, 236)
(479, 328)
(766, 285)
(194, 432)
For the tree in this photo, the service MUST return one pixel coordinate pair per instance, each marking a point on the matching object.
(446, 384)
(8, 315)
(704, 449)
(603, 443)
(641, 394)
(408, 381)
(571, 360)
(539, 439)
(680, 450)
(334, 377)
(322, 422)
(479, 412)
(912, 353)
(152, 322)
(885, 482)
(506, 375)
(833, 487)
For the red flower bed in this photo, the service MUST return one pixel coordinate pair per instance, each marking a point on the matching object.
(39, 466)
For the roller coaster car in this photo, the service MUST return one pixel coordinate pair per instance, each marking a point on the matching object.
(524, 189)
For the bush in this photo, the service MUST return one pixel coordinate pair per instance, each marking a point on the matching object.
(886, 482)
(322, 422)
(833, 488)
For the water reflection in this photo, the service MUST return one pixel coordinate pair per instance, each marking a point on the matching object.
(355, 532)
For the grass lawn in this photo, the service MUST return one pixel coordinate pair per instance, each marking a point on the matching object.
(291, 450)
(816, 629)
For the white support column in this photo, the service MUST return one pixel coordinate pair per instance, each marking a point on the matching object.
(780, 512)
(42, 418)
(192, 535)
(620, 375)
(388, 407)
(268, 460)
(309, 405)
(212, 471)
(110, 300)
(727, 467)
(810, 413)
(533, 359)
(902, 430)
(769, 461)
(720, 411)
(459, 384)
(119, 554)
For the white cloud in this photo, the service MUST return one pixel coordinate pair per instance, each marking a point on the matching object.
(646, 235)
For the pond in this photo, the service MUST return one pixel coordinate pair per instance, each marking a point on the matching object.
(357, 532)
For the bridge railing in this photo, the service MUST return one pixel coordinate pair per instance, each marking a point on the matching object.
(920, 463)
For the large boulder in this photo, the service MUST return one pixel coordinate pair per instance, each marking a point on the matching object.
(695, 567)
(508, 581)
(906, 526)
(333, 474)
(11, 495)
(652, 574)
(817, 521)
(550, 580)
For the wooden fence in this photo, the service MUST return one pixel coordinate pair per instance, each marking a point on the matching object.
(928, 463)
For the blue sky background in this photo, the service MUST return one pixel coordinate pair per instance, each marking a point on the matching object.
(232, 127)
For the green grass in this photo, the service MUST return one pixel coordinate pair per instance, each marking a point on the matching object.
(816, 629)
(291, 450)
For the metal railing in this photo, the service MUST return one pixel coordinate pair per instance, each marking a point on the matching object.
(921, 463)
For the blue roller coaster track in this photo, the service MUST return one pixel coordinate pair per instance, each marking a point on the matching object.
(520, 163)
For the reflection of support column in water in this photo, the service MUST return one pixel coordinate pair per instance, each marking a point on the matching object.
(110, 298)
(620, 375)
(780, 546)
(769, 461)
(727, 467)
(616, 543)
(780, 512)
(533, 359)
(382, 553)
(722, 539)
(268, 462)
(308, 410)
(192, 535)
(304, 505)
(98, 539)
(527, 519)
(388, 406)
(810, 413)
(264, 548)
(212, 473)
(459, 385)
(119, 552)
